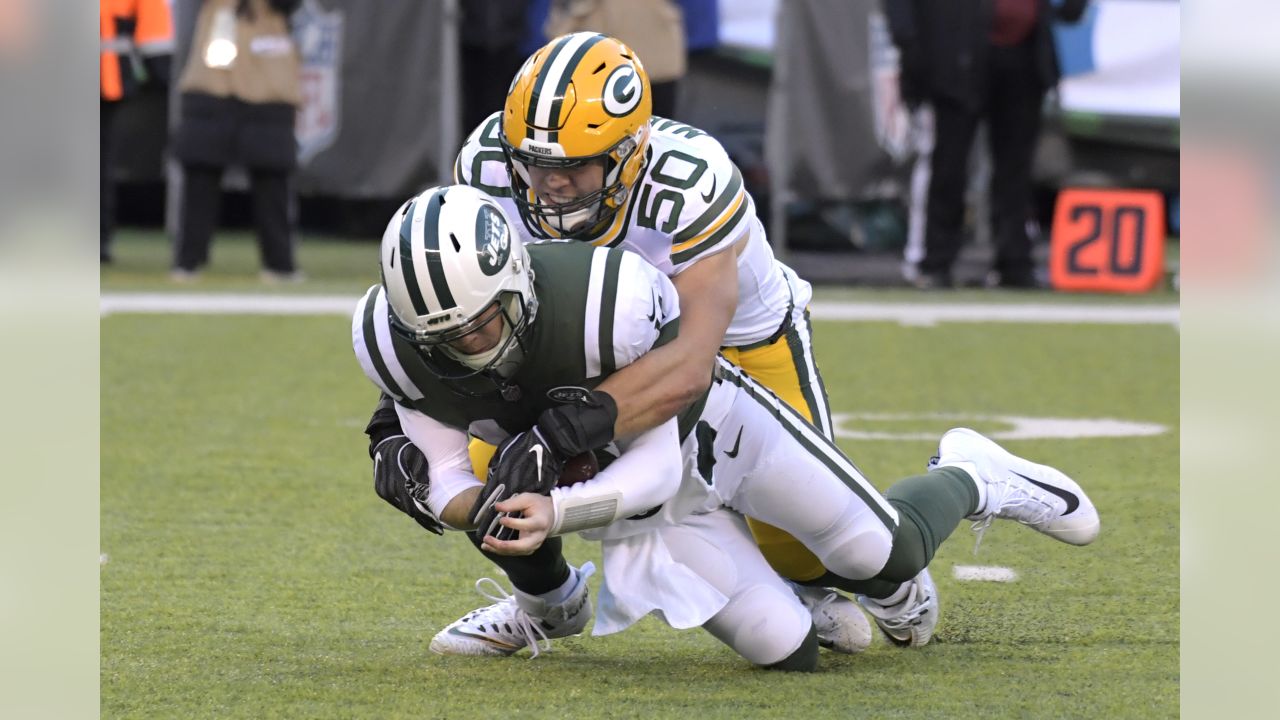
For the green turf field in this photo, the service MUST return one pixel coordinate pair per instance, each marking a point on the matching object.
(251, 571)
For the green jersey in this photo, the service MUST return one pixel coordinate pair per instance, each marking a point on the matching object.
(599, 309)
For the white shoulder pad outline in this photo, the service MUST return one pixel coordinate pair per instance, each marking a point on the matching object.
(371, 340)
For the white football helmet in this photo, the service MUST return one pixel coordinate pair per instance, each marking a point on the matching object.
(450, 264)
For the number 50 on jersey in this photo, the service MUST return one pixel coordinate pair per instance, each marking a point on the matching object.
(1107, 240)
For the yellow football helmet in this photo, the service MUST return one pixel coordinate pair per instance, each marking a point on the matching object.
(581, 98)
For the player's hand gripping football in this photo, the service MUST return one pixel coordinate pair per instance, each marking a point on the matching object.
(524, 463)
(524, 524)
(532, 516)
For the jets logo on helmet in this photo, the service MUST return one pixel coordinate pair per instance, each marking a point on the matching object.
(622, 91)
(493, 240)
(450, 269)
(581, 99)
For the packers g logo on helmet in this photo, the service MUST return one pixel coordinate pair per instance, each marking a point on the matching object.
(622, 91)
(580, 98)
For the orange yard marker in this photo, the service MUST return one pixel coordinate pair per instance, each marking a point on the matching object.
(1107, 240)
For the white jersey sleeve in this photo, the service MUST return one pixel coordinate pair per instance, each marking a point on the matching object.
(715, 210)
(448, 463)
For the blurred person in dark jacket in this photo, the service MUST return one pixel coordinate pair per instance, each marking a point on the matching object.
(240, 89)
(653, 28)
(490, 35)
(974, 61)
(136, 45)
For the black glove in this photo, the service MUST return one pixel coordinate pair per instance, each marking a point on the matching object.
(532, 461)
(384, 423)
(400, 478)
(523, 463)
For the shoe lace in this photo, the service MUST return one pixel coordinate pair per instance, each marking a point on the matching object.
(525, 626)
(902, 614)
(819, 608)
(1005, 494)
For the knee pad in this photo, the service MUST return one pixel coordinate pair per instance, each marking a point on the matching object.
(856, 545)
(762, 624)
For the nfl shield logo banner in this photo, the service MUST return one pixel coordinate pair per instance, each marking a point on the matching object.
(318, 34)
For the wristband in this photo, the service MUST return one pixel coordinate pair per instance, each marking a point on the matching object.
(578, 510)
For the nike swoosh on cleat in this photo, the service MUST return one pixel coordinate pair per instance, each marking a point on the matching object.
(734, 452)
(711, 194)
(1072, 501)
(486, 640)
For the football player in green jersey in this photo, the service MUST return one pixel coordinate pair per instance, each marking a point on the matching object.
(470, 331)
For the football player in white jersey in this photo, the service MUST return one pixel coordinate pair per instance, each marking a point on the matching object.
(576, 154)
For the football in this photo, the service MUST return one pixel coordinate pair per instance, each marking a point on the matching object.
(578, 469)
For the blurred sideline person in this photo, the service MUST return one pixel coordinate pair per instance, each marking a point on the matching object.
(577, 154)
(136, 50)
(972, 62)
(655, 29)
(490, 36)
(472, 329)
(240, 89)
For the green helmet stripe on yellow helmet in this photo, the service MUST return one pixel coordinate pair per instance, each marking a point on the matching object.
(531, 117)
(554, 77)
(565, 78)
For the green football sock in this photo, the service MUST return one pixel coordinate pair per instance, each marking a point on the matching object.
(930, 506)
(541, 572)
(804, 659)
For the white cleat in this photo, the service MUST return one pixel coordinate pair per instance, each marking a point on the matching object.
(840, 624)
(517, 621)
(910, 621)
(1012, 488)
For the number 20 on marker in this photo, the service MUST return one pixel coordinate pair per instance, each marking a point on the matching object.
(1107, 240)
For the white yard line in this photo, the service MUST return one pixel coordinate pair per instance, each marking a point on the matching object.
(226, 304)
(902, 313)
(984, 573)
